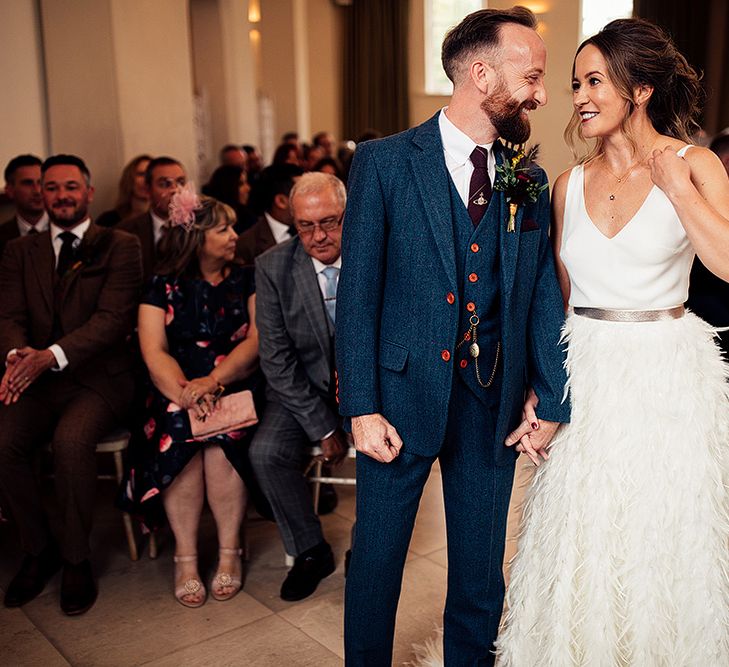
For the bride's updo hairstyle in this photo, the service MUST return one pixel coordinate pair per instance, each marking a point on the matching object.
(638, 53)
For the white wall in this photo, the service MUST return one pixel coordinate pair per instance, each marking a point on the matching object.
(22, 112)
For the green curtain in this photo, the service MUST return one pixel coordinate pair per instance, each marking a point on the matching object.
(375, 67)
(699, 28)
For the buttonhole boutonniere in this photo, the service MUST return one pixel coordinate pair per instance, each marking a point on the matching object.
(517, 179)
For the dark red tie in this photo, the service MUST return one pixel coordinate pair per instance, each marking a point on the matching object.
(479, 193)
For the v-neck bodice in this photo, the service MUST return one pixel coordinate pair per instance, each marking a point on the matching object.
(645, 266)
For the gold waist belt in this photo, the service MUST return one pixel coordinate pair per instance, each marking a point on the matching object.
(631, 315)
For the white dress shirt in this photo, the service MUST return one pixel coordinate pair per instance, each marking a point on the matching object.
(457, 149)
(24, 226)
(78, 231)
(158, 224)
(280, 230)
(319, 268)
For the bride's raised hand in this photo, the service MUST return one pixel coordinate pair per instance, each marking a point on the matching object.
(669, 171)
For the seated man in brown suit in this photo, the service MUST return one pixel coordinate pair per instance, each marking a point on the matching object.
(22, 186)
(68, 300)
(271, 196)
(164, 175)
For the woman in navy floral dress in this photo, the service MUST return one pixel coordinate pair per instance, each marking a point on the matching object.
(198, 337)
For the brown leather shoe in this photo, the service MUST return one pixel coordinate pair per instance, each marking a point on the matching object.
(35, 572)
(78, 589)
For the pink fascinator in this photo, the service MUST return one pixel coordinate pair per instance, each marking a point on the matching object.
(183, 205)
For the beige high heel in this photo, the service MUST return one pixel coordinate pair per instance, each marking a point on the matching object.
(225, 579)
(191, 586)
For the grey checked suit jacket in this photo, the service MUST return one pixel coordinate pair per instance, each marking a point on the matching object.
(295, 337)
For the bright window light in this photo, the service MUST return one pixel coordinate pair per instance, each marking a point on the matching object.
(598, 13)
(440, 16)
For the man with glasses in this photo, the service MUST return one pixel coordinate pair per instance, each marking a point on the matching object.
(296, 285)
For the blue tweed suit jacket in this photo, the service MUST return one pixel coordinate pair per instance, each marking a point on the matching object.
(394, 321)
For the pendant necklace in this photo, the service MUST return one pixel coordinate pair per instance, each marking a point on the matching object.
(619, 179)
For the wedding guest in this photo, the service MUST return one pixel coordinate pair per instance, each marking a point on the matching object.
(198, 337)
(297, 284)
(325, 141)
(67, 302)
(233, 155)
(275, 225)
(133, 198)
(162, 178)
(229, 184)
(23, 188)
(255, 162)
(286, 154)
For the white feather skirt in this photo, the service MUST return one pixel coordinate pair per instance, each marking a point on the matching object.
(623, 556)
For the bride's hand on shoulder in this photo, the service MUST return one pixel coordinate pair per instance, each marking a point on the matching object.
(669, 171)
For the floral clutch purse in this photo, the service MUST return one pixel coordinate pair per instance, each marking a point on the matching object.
(233, 412)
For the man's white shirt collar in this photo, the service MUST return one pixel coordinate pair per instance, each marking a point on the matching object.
(78, 231)
(457, 149)
(280, 230)
(320, 266)
(24, 226)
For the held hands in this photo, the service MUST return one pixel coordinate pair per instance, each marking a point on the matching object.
(199, 395)
(22, 369)
(334, 448)
(376, 437)
(669, 171)
(533, 435)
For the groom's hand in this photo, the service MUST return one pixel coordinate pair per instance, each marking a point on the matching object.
(375, 436)
(533, 435)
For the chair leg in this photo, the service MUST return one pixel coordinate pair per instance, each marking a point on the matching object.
(128, 528)
(317, 485)
(152, 546)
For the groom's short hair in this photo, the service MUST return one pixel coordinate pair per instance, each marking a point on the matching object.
(477, 32)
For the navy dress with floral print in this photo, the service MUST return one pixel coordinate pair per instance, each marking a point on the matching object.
(203, 323)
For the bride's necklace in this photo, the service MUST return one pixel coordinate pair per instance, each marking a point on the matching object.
(622, 179)
(619, 179)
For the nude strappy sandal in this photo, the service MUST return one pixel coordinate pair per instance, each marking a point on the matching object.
(225, 579)
(191, 586)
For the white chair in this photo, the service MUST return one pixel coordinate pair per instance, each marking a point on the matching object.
(116, 443)
(314, 472)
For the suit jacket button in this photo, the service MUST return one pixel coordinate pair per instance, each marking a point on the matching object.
(470, 306)
(450, 297)
(445, 355)
(473, 277)
(474, 247)
(463, 363)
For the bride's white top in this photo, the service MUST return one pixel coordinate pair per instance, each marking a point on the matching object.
(645, 266)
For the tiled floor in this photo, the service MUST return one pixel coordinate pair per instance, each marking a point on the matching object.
(136, 621)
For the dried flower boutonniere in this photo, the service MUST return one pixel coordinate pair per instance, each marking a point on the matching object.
(517, 180)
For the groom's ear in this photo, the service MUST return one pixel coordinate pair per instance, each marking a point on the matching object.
(483, 76)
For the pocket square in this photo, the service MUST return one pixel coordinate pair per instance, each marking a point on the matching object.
(529, 225)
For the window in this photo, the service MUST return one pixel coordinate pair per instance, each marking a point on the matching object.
(440, 16)
(598, 13)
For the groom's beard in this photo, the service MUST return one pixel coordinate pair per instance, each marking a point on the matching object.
(505, 115)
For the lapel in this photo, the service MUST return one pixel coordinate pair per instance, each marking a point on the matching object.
(146, 237)
(509, 241)
(431, 177)
(307, 286)
(43, 260)
(264, 236)
(86, 250)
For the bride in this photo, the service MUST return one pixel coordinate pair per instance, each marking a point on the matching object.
(623, 555)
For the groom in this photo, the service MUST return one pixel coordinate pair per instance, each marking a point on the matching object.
(444, 317)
